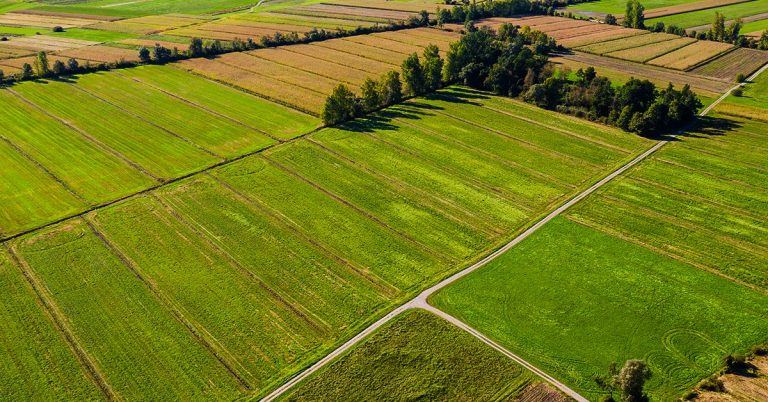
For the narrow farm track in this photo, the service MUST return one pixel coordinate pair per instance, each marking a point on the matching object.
(421, 301)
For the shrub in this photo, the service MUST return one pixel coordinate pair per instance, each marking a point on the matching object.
(713, 384)
(741, 78)
(738, 92)
(58, 29)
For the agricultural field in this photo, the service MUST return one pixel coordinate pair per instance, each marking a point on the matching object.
(701, 18)
(302, 76)
(408, 357)
(692, 55)
(681, 233)
(379, 208)
(730, 65)
(135, 148)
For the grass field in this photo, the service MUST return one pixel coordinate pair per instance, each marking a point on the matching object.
(704, 17)
(135, 147)
(258, 267)
(417, 356)
(571, 300)
(617, 7)
(755, 97)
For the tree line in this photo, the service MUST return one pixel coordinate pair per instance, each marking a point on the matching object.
(514, 62)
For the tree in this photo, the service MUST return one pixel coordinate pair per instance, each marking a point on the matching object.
(762, 44)
(717, 31)
(196, 47)
(634, 16)
(371, 95)
(2, 76)
(26, 71)
(72, 65)
(610, 19)
(433, 68)
(391, 88)
(59, 68)
(339, 106)
(631, 380)
(732, 31)
(607, 382)
(144, 55)
(413, 75)
(161, 54)
(423, 18)
(42, 69)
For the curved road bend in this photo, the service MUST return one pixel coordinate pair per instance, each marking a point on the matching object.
(420, 301)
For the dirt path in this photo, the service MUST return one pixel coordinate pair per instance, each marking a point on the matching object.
(421, 301)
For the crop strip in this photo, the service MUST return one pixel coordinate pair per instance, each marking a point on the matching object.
(708, 174)
(260, 206)
(170, 306)
(341, 78)
(187, 140)
(267, 77)
(298, 311)
(40, 166)
(423, 247)
(398, 183)
(201, 107)
(489, 155)
(60, 322)
(88, 137)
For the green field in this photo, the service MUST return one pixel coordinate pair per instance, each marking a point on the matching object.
(136, 127)
(417, 357)
(658, 264)
(617, 7)
(755, 97)
(120, 8)
(704, 17)
(258, 267)
(571, 300)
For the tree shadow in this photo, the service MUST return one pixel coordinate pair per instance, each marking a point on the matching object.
(708, 126)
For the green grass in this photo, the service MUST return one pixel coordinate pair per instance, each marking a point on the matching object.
(274, 119)
(755, 94)
(571, 300)
(68, 154)
(704, 17)
(203, 128)
(755, 26)
(136, 342)
(35, 362)
(121, 8)
(30, 197)
(617, 7)
(95, 35)
(417, 356)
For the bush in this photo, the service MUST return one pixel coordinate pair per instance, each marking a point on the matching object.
(738, 92)
(713, 384)
(690, 395)
(760, 350)
(741, 78)
(58, 29)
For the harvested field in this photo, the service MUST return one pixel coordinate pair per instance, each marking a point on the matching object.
(691, 55)
(149, 43)
(335, 71)
(149, 25)
(642, 54)
(365, 52)
(728, 66)
(287, 94)
(562, 24)
(288, 19)
(409, 5)
(56, 14)
(46, 43)
(599, 37)
(354, 12)
(372, 67)
(212, 35)
(541, 392)
(43, 21)
(13, 51)
(583, 30)
(101, 54)
(280, 73)
(615, 45)
(411, 40)
(698, 82)
(381, 43)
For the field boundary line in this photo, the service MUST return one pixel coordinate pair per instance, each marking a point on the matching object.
(399, 184)
(422, 298)
(151, 123)
(87, 136)
(198, 332)
(366, 214)
(280, 219)
(59, 320)
(45, 170)
(207, 238)
(198, 106)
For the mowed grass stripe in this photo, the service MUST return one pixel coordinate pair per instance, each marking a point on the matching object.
(202, 128)
(30, 197)
(271, 118)
(150, 147)
(520, 155)
(138, 345)
(329, 290)
(336, 226)
(381, 200)
(67, 154)
(243, 318)
(36, 362)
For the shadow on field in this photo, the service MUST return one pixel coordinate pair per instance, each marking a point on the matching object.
(707, 127)
(414, 109)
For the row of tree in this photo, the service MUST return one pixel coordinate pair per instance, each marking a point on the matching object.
(417, 76)
(41, 67)
(514, 62)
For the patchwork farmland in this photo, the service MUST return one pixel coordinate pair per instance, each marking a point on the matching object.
(198, 227)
